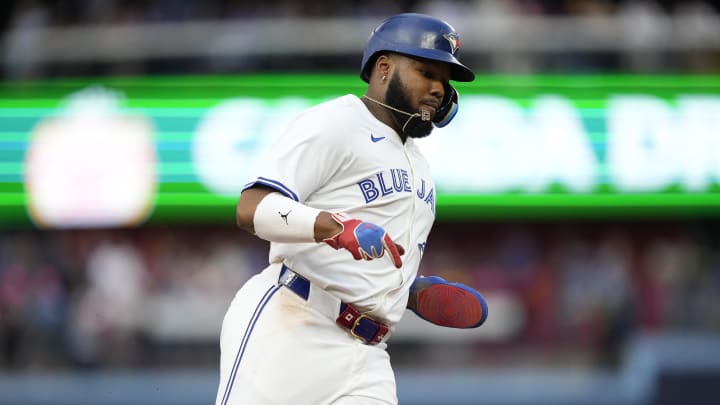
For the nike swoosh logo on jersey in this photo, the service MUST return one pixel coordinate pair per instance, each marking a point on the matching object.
(378, 139)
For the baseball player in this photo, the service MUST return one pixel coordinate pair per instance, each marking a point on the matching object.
(347, 202)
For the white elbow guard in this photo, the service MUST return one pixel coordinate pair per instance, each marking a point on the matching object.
(280, 219)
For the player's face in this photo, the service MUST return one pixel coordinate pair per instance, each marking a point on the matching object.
(417, 86)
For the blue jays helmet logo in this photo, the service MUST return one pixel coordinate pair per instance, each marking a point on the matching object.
(454, 40)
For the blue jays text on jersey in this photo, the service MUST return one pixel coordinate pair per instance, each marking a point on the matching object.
(385, 183)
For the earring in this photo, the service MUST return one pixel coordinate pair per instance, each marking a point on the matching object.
(383, 78)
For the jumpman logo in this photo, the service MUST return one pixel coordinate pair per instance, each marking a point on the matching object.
(285, 216)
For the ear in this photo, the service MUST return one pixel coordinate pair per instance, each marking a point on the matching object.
(384, 65)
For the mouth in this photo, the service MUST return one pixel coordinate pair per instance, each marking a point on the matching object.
(434, 104)
(429, 107)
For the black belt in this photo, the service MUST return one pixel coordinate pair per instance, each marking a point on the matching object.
(358, 324)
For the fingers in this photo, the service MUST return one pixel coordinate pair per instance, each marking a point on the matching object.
(357, 253)
(391, 247)
(357, 236)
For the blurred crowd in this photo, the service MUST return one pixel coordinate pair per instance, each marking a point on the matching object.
(21, 22)
(156, 296)
(90, 297)
(73, 12)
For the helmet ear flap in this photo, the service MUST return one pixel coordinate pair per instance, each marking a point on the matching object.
(446, 112)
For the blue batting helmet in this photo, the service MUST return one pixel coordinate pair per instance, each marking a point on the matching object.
(416, 35)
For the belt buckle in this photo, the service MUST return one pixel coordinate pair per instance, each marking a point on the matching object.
(355, 325)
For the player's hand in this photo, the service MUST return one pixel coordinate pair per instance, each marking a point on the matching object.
(364, 240)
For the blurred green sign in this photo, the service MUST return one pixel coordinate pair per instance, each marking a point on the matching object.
(127, 151)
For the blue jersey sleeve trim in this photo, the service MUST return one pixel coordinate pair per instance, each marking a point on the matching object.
(276, 185)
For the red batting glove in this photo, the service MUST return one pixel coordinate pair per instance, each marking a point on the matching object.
(365, 241)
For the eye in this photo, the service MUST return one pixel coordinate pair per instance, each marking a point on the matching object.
(426, 73)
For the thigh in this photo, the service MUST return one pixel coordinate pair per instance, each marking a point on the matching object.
(236, 330)
(373, 381)
(275, 349)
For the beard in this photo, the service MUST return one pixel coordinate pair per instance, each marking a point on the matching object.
(411, 126)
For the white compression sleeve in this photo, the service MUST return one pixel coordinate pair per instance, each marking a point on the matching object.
(280, 219)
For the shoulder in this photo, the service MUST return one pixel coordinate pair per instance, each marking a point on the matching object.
(340, 108)
(327, 125)
(332, 117)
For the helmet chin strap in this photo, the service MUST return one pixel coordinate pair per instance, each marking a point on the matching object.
(423, 115)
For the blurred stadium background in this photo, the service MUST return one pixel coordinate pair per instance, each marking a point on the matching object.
(578, 190)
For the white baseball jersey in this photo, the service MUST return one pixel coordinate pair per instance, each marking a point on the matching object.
(338, 157)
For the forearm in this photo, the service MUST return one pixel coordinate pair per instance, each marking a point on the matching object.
(275, 218)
